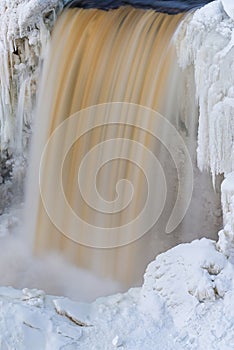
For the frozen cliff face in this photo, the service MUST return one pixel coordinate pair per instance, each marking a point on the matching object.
(206, 40)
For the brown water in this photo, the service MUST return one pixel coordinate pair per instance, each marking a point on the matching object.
(121, 59)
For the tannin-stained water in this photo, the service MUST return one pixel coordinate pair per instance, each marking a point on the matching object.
(113, 65)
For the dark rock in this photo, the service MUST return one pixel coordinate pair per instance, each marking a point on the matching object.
(165, 6)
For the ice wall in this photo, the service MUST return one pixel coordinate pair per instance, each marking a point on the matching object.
(24, 32)
(206, 40)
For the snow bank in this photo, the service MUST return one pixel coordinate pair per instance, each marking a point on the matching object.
(186, 302)
(206, 40)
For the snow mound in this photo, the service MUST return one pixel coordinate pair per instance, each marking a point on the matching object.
(186, 302)
(195, 282)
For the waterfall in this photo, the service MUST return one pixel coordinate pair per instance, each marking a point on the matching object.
(115, 134)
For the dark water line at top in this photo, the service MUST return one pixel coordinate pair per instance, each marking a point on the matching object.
(165, 6)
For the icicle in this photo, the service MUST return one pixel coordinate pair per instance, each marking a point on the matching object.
(207, 41)
(226, 236)
(22, 49)
(23, 40)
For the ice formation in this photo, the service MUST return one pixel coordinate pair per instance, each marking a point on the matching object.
(206, 40)
(25, 29)
(24, 32)
(226, 236)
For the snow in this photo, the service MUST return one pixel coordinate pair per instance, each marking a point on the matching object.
(206, 40)
(228, 6)
(186, 302)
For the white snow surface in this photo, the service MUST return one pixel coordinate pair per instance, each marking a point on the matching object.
(206, 40)
(186, 302)
(228, 6)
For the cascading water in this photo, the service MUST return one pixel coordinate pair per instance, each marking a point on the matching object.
(113, 73)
